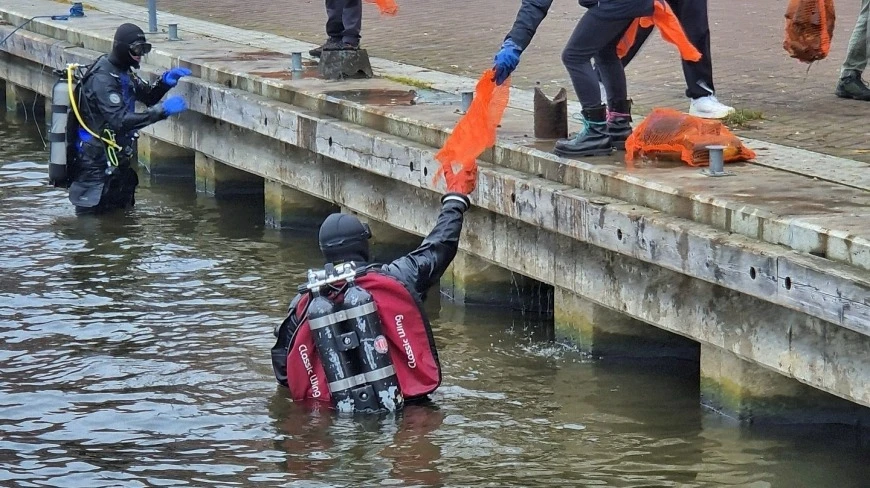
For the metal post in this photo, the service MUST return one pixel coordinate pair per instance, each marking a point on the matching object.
(467, 97)
(152, 16)
(295, 61)
(717, 162)
(173, 32)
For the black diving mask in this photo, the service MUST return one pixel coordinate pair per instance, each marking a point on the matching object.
(140, 48)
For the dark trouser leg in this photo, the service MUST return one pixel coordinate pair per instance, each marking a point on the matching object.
(595, 37)
(334, 22)
(692, 15)
(612, 73)
(120, 189)
(643, 34)
(352, 21)
(88, 187)
(128, 181)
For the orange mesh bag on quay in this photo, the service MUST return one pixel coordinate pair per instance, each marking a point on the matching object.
(669, 134)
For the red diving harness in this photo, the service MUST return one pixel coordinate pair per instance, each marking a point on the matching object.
(363, 343)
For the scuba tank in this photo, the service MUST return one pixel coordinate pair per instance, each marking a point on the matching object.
(334, 344)
(58, 175)
(63, 135)
(373, 351)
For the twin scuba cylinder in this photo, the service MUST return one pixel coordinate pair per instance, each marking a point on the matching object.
(349, 339)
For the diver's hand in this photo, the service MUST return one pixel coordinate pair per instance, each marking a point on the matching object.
(172, 76)
(457, 199)
(174, 105)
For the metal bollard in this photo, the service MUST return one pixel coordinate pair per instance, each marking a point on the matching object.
(717, 162)
(173, 32)
(295, 61)
(467, 97)
(152, 16)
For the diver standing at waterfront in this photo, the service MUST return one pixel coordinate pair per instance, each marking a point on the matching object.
(100, 171)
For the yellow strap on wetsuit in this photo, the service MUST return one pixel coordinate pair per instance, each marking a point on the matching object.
(112, 147)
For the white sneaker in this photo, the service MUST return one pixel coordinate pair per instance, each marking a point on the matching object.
(709, 108)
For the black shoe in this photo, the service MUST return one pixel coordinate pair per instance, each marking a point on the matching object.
(619, 123)
(330, 45)
(593, 140)
(852, 86)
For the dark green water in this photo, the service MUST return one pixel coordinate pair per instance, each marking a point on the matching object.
(135, 352)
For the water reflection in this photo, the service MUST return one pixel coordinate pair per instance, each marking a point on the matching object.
(389, 449)
(136, 353)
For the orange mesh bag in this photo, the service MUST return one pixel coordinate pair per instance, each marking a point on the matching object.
(669, 28)
(387, 7)
(805, 37)
(669, 134)
(473, 134)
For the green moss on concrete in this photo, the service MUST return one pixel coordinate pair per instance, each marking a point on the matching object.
(807, 406)
(409, 81)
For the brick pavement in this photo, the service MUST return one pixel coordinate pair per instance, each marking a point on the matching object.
(752, 71)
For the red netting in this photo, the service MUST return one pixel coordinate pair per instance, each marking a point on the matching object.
(669, 134)
(387, 7)
(805, 38)
(473, 134)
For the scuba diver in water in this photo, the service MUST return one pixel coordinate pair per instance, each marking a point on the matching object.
(356, 336)
(101, 177)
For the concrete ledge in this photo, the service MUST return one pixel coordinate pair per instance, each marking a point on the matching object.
(821, 288)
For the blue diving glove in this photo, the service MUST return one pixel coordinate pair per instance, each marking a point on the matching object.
(172, 76)
(174, 105)
(506, 60)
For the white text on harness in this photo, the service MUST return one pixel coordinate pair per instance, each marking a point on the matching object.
(306, 361)
(406, 344)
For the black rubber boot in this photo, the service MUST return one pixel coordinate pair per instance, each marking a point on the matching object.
(619, 123)
(592, 140)
(330, 45)
(852, 86)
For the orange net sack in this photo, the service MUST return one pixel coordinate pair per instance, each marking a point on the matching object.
(809, 25)
(474, 133)
(387, 7)
(669, 27)
(669, 134)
